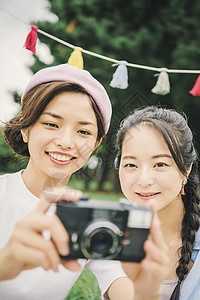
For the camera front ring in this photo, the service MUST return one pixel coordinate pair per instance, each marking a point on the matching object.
(101, 240)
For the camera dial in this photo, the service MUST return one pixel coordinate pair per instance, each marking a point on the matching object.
(101, 240)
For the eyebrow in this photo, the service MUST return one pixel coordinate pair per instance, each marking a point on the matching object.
(61, 118)
(162, 155)
(52, 115)
(155, 156)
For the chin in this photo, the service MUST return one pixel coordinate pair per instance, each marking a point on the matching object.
(59, 176)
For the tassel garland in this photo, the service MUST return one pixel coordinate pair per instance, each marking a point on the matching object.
(162, 86)
(195, 91)
(31, 39)
(76, 58)
(120, 77)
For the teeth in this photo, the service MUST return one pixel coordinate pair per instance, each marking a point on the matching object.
(60, 157)
(149, 195)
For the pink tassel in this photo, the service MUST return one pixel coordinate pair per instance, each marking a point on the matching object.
(195, 91)
(31, 39)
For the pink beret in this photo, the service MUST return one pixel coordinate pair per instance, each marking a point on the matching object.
(72, 74)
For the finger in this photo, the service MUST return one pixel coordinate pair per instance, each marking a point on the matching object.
(156, 233)
(57, 194)
(151, 204)
(71, 265)
(154, 253)
(36, 241)
(39, 223)
(29, 258)
(59, 236)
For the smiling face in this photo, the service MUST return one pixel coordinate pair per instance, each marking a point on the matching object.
(147, 169)
(62, 139)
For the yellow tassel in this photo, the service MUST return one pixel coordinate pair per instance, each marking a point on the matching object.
(76, 58)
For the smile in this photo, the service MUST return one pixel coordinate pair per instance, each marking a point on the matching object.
(147, 196)
(61, 157)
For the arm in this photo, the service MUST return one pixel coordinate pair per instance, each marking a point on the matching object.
(155, 266)
(28, 249)
(145, 279)
(156, 296)
(123, 288)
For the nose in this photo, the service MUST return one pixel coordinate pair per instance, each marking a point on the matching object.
(65, 138)
(145, 177)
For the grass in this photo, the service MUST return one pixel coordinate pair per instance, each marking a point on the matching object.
(86, 288)
(93, 193)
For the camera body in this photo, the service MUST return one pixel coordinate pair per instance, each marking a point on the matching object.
(105, 230)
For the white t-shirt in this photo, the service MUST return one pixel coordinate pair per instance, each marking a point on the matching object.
(16, 201)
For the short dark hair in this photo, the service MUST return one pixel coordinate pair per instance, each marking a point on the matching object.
(34, 104)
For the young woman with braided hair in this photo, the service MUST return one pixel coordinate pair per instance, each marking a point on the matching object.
(157, 160)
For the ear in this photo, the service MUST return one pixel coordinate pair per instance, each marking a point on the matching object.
(97, 144)
(24, 133)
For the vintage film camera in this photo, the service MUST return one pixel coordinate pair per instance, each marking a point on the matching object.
(105, 230)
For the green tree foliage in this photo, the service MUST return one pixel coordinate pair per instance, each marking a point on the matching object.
(4, 153)
(154, 33)
(9, 161)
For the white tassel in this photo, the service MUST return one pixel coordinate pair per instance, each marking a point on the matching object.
(162, 86)
(120, 77)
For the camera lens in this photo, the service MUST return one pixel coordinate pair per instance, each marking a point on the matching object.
(101, 242)
(101, 239)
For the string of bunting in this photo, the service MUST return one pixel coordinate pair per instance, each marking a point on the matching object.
(120, 76)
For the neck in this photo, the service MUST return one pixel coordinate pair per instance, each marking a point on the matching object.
(171, 218)
(36, 182)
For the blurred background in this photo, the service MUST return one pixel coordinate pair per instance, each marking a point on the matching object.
(147, 32)
(151, 33)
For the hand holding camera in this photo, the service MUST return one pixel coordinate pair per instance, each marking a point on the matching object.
(105, 230)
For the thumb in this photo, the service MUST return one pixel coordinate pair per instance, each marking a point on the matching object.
(57, 194)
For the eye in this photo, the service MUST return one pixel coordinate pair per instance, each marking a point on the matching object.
(161, 164)
(129, 165)
(84, 132)
(49, 124)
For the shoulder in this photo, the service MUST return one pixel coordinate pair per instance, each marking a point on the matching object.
(3, 183)
(191, 286)
(7, 182)
(197, 241)
(196, 246)
(8, 178)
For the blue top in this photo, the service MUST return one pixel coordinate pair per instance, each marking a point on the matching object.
(191, 286)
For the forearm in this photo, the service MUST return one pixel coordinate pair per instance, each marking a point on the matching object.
(155, 296)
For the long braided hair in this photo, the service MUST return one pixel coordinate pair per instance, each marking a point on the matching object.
(178, 136)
